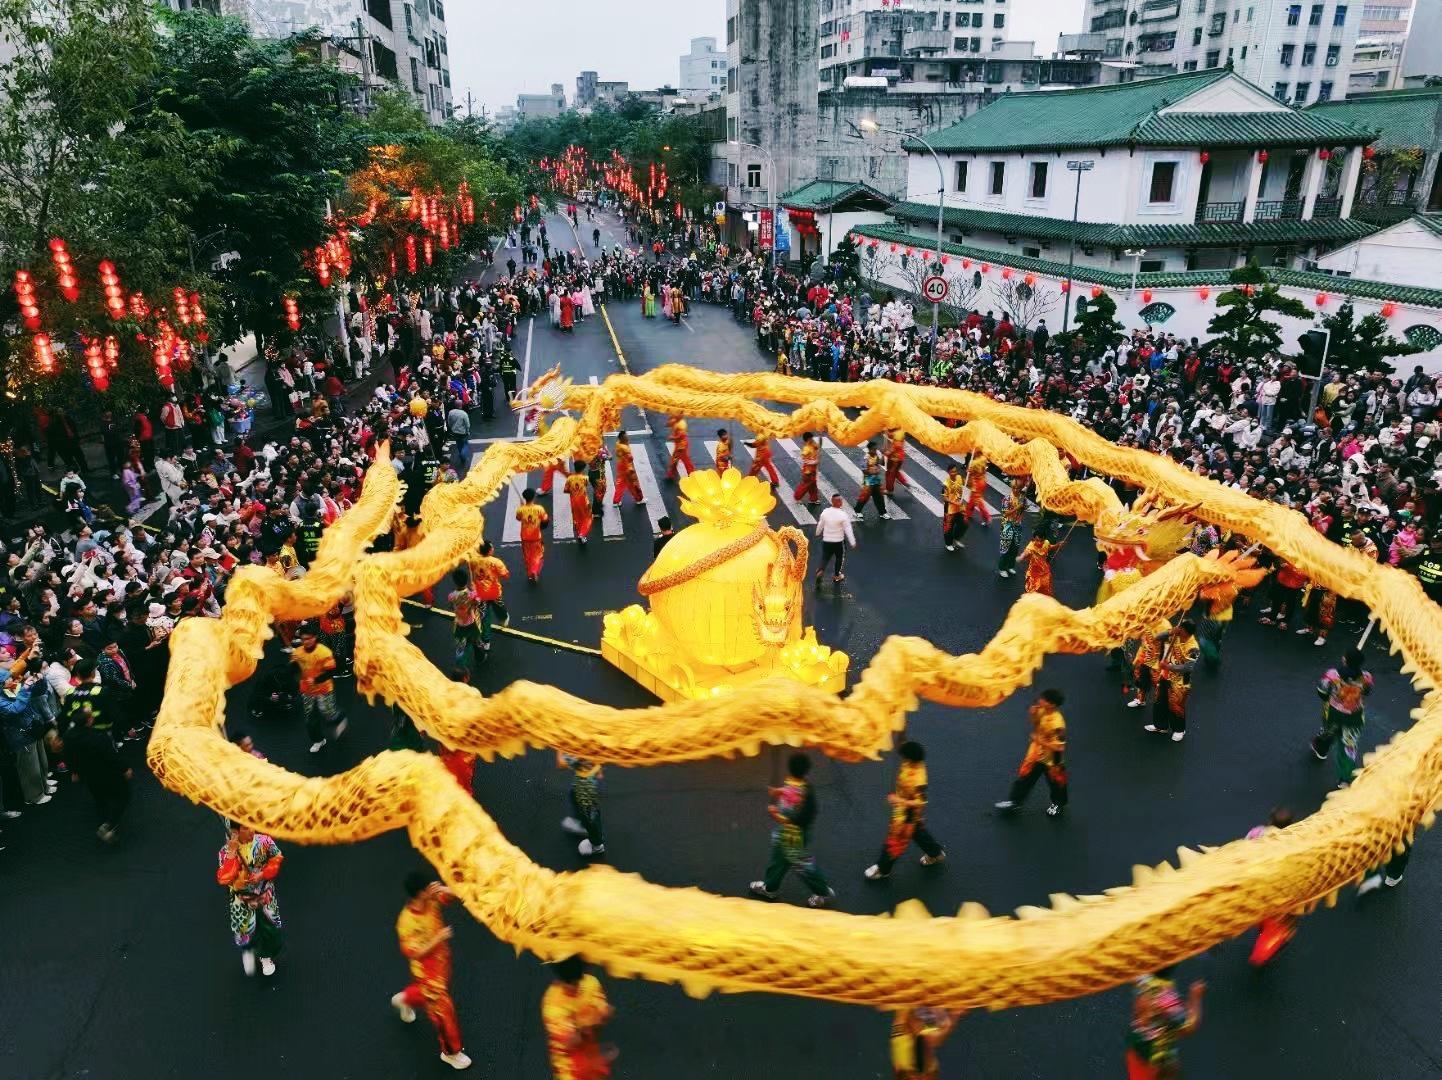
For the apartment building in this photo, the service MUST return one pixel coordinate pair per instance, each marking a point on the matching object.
(1300, 52)
(909, 41)
(703, 69)
(1381, 39)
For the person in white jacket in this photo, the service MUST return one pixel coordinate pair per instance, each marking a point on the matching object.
(172, 478)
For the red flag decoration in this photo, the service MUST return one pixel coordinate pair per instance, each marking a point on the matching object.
(1096, 291)
(25, 297)
(1204, 292)
(1389, 309)
(110, 286)
(65, 272)
(1146, 296)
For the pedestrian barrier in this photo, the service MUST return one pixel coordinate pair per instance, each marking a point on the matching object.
(1076, 946)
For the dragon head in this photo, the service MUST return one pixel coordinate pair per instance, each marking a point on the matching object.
(547, 394)
(776, 602)
(1144, 534)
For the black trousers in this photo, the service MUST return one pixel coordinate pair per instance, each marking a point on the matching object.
(1022, 785)
(922, 838)
(832, 550)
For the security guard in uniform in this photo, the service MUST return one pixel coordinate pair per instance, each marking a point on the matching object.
(1428, 568)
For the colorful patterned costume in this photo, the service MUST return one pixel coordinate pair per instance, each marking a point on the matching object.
(626, 475)
(1045, 755)
(723, 453)
(810, 464)
(533, 519)
(1037, 556)
(1159, 1017)
(254, 912)
(465, 629)
(586, 796)
(572, 1015)
(1146, 663)
(908, 817)
(789, 839)
(579, 490)
(1012, 513)
(895, 458)
(680, 448)
(317, 690)
(762, 461)
(1343, 717)
(1180, 653)
(871, 485)
(953, 522)
(976, 484)
(419, 923)
(914, 1036)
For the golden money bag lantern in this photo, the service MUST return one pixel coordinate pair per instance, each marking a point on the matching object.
(727, 588)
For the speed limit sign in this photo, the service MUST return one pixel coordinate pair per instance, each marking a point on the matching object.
(935, 288)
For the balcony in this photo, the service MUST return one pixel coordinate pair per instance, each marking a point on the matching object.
(1386, 210)
(1279, 210)
(1220, 213)
(914, 41)
(1327, 208)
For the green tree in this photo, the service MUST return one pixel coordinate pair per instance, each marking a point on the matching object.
(1241, 326)
(1362, 344)
(1096, 323)
(847, 256)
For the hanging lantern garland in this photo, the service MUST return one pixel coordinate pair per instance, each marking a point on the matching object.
(292, 312)
(95, 365)
(64, 270)
(44, 356)
(25, 297)
(110, 286)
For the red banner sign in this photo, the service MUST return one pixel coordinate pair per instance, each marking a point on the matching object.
(766, 234)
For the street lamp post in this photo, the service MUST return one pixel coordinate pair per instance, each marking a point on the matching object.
(1078, 167)
(1135, 254)
(872, 125)
(770, 191)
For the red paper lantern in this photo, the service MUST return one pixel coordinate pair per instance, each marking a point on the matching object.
(322, 267)
(112, 352)
(110, 286)
(926, 256)
(393, 263)
(1030, 280)
(44, 357)
(945, 259)
(1204, 157)
(893, 249)
(197, 313)
(1262, 156)
(1204, 292)
(910, 252)
(1324, 153)
(138, 307)
(64, 270)
(1096, 291)
(292, 312)
(966, 264)
(182, 306)
(95, 364)
(1006, 273)
(1368, 152)
(1321, 299)
(428, 249)
(410, 254)
(1065, 285)
(986, 268)
(1389, 309)
(874, 244)
(25, 297)
(1146, 296)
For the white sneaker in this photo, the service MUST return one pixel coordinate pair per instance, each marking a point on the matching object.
(758, 888)
(267, 966)
(873, 873)
(458, 1060)
(1392, 882)
(1369, 883)
(885, 517)
(933, 860)
(585, 847)
(1152, 728)
(1178, 736)
(1320, 641)
(317, 747)
(1302, 630)
(949, 547)
(407, 1014)
(817, 900)
(572, 826)
(42, 800)
(1005, 806)
(247, 961)
(1134, 703)
(9, 815)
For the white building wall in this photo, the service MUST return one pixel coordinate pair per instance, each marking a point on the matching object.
(1423, 55)
(1408, 254)
(703, 69)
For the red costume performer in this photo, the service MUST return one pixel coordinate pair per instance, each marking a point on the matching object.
(425, 943)
(895, 458)
(626, 473)
(680, 448)
(976, 484)
(762, 460)
(579, 489)
(810, 463)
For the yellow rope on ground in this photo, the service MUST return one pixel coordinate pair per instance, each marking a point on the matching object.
(1076, 946)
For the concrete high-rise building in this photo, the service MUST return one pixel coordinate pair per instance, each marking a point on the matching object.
(399, 44)
(910, 41)
(540, 106)
(1422, 56)
(703, 69)
(1381, 39)
(771, 87)
(1298, 52)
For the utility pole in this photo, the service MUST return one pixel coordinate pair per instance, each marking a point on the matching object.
(469, 113)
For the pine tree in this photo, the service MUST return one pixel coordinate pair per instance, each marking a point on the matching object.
(1362, 345)
(1240, 325)
(1096, 324)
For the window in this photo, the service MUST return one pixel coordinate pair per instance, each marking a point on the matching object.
(998, 177)
(415, 73)
(1324, 91)
(1314, 17)
(753, 175)
(1339, 16)
(998, 21)
(1309, 55)
(1152, 266)
(410, 23)
(1288, 51)
(385, 61)
(1196, 35)
(1038, 179)
(946, 20)
(1244, 52)
(731, 134)
(1031, 252)
(1382, 78)
(1250, 12)
(380, 11)
(828, 51)
(1190, 65)
(1303, 89)
(976, 44)
(731, 29)
(1164, 176)
(731, 80)
(1279, 90)
(1294, 15)
(961, 168)
(1334, 53)
(1214, 58)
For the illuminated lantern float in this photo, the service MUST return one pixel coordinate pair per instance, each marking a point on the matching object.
(726, 601)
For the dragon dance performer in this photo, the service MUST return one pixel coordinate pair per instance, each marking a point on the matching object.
(1045, 755)
(1037, 556)
(810, 466)
(871, 486)
(793, 811)
(249, 864)
(596, 474)
(1146, 665)
(761, 448)
(586, 802)
(1012, 513)
(555, 467)
(1319, 616)
(467, 613)
(680, 448)
(723, 450)
(626, 481)
(908, 815)
(573, 1009)
(976, 484)
(533, 519)
(1343, 688)
(916, 1035)
(488, 573)
(895, 458)
(579, 489)
(1160, 1018)
(425, 943)
(1275, 930)
(1180, 653)
(953, 494)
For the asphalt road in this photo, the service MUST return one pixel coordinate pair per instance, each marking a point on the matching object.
(119, 962)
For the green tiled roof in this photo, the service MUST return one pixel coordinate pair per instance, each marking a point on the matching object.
(1211, 234)
(1126, 115)
(1431, 222)
(1111, 279)
(825, 194)
(1400, 119)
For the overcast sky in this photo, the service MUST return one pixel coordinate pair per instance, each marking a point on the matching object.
(501, 48)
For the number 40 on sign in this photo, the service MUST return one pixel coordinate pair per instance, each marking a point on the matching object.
(935, 288)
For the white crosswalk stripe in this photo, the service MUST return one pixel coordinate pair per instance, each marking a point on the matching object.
(916, 489)
(837, 455)
(610, 512)
(511, 532)
(562, 526)
(655, 505)
(791, 449)
(783, 489)
(927, 465)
